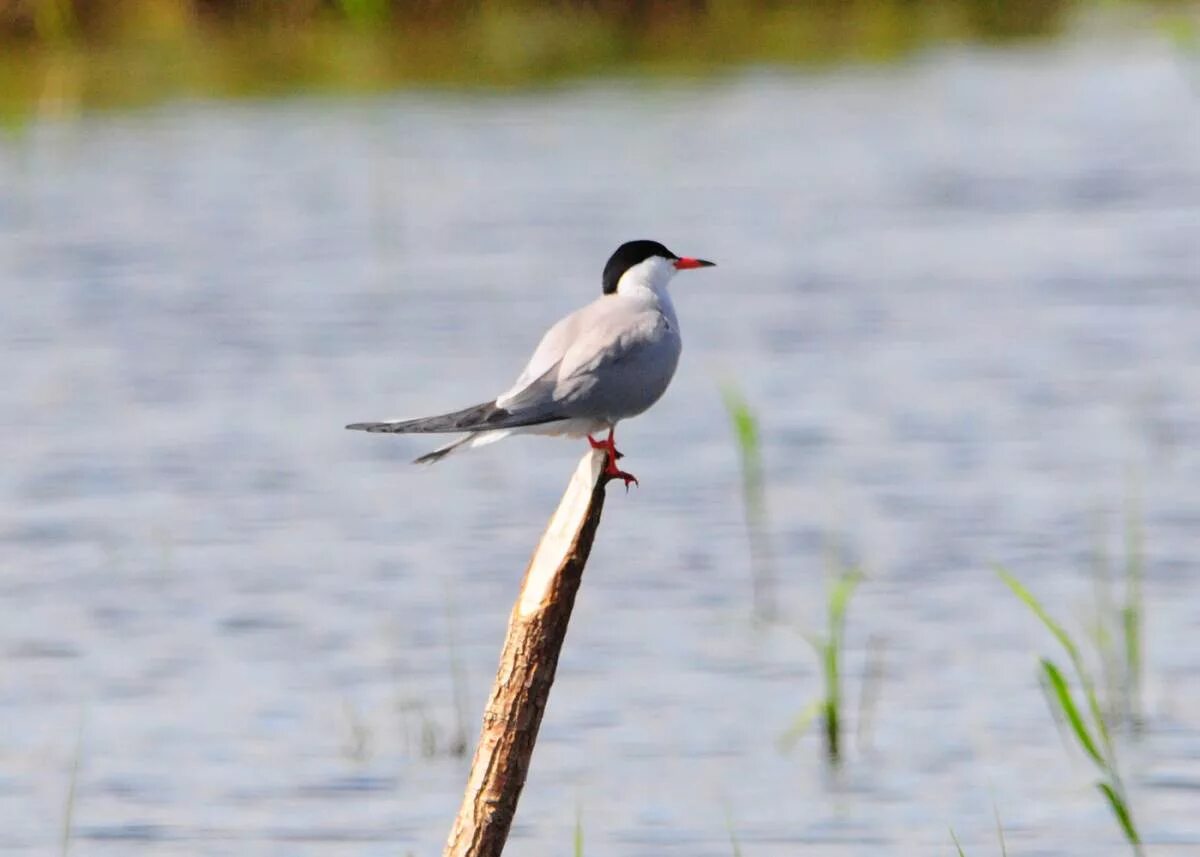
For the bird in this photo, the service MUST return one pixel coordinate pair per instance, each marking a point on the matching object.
(607, 361)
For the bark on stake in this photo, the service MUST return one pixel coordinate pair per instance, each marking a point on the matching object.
(535, 636)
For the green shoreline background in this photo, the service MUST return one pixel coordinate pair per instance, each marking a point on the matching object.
(60, 57)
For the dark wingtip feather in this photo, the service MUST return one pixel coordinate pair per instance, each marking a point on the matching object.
(475, 418)
(431, 457)
(392, 427)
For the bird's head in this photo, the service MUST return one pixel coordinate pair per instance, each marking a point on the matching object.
(645, 265)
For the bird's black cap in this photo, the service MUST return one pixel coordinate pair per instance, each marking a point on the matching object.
(626, 256)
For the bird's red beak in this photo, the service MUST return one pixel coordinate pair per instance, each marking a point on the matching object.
(687, 262)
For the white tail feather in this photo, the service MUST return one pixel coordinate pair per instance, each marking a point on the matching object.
(469, 441)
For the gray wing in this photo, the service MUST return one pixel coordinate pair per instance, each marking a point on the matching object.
(610, 358)
(542, 368)
(607, 359)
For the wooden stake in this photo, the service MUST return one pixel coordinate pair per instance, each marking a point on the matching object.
(536, 630)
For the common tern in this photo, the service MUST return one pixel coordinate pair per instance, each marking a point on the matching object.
(603, 363)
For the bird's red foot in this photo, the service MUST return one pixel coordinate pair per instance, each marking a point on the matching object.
(608, 444)
(610, 464)
(613, 472)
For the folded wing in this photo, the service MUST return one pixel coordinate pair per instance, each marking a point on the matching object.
(589, 364)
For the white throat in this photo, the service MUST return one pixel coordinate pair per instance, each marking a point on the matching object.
(648, 281)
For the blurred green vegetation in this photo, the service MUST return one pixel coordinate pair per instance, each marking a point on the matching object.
(754, 499)
(1089, 723)
(59, 56)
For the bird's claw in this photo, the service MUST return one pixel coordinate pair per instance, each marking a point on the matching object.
(612, 472)
(610, 467)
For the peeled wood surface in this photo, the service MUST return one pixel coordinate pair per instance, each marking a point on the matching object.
(536, 630)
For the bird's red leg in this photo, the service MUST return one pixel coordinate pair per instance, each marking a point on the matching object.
(612, 446)
(610, 466)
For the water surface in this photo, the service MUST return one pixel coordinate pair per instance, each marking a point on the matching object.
(963, 294)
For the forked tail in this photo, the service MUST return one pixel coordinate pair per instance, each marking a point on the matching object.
(466, 442)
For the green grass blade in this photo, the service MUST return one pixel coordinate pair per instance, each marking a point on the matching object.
(868, 691)
(1121, 811)
(829, 663)
(733, 840)
(745, 429)
(1000, 830)
(754, 498)
(1098, 717)
(745, 424)
(839, 596)
(1033, 604)
(68, 824)
(817, 642)
(1131, 613)
(1064, 639)
(1077, 660)
(805, 719)
(957, 844)
(840, 592)
(578, 838)
(1131, 626)
(1066, 703)
(833, 730)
